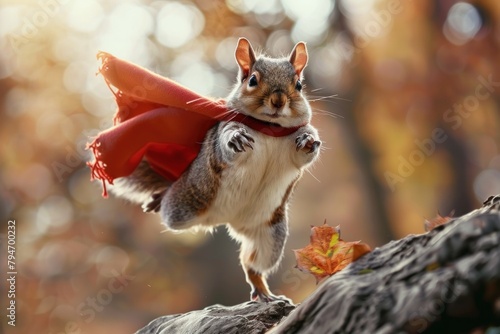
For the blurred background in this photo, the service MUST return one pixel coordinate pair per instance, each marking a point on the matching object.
(406, 97)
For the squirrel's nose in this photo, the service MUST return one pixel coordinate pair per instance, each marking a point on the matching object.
(278, 99)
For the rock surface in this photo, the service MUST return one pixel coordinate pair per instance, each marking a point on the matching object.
(443, 281)
(249, 317)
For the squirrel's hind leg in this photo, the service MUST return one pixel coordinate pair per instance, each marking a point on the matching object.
(261, 252)
(260, 289)
(154, 203)
(141, 185)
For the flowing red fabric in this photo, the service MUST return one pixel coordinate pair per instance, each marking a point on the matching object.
(158, 120)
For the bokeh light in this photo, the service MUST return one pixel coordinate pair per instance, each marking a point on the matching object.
(85, 16)
(178, 23)
(462, 23)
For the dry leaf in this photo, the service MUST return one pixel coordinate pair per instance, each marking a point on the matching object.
(327, 253)
(431, 224)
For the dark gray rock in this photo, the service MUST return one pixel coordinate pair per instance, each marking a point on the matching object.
(443, 281)
(249, 317)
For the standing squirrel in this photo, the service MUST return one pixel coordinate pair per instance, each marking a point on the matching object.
(242, 177)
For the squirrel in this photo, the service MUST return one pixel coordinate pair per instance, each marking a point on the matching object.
(242, 178)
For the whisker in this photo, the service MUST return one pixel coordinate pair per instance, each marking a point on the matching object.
(325, 148)
(228, 112)
(200, 102)
(314, 177)
(222, 114)
(316, 98)
(327, 113)
(203, 100)
(197, 100)
(232, 113)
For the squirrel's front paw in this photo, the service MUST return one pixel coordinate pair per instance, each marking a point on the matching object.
(239, 140)
(307, 143)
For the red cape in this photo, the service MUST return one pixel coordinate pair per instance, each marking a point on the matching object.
(159, 120)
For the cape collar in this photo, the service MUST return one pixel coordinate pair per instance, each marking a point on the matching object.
(267, 128)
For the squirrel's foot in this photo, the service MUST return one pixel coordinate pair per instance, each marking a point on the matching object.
(260, 290)
(264, 297)
(307, 143)
(239, 140)
(154, 204)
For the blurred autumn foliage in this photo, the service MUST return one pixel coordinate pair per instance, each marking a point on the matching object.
(406, 97)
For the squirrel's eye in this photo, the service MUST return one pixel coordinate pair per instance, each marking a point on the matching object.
(253, 81)
(298, 85)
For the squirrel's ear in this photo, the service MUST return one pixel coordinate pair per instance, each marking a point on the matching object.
(245, 57)
(298, 57)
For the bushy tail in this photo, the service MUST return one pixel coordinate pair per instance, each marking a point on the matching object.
(141, 185)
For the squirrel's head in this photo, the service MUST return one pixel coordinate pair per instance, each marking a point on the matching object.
(270, 89)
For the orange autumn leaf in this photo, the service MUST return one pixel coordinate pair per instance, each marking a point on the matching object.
(327, 253)
(431, 224)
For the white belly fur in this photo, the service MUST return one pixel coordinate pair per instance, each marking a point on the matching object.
(254, 185)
